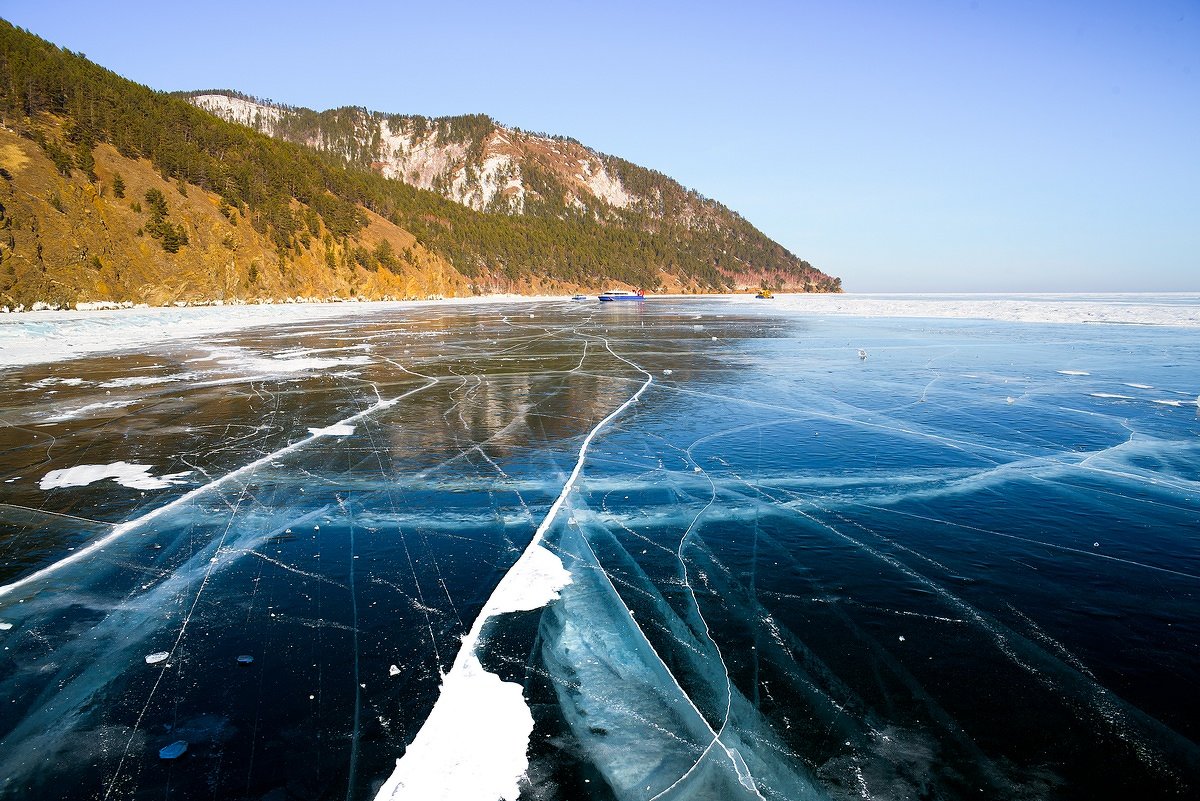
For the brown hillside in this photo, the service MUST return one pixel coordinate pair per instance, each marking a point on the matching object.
(67, 240)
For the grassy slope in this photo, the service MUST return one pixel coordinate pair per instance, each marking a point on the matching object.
(218, 262)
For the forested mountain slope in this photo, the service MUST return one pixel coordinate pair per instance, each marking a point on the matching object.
(115, 192)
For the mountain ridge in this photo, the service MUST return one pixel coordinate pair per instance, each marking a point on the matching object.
(113, 193)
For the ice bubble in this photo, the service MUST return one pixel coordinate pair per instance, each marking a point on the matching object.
(393, 671)
(156, 657)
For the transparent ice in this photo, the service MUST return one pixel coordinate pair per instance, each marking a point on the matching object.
(679, 550)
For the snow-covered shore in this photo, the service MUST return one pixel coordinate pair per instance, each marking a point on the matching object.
(50, 336)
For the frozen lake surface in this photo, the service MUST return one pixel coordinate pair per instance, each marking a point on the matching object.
(685, 549)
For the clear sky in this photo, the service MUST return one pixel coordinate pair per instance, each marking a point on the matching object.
(920, 146)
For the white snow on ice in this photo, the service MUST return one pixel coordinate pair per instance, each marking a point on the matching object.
(50, 382)
(51, 336)
(1176, 309)
(142, 381)
(472, 747)
(86, 411)
(336, 430)
(134, 476)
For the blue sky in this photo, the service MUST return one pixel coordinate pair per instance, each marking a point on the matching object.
(922, 146)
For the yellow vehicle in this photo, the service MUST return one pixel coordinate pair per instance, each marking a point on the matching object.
(765, 294)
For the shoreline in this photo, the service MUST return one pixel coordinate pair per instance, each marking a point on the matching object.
(39, 337)
(36, 337)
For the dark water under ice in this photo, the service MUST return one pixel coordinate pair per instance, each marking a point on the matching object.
(966, 566)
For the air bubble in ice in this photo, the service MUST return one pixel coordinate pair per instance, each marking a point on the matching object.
(156, 657)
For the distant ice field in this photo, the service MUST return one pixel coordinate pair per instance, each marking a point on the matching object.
(830, 548)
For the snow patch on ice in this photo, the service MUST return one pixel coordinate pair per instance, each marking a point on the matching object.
(1072, 372)
(134, 476)
(472, 747)
(1139, 386)
(84, 411)
(50, 382)
(1111, 395)
(337, 430)
(467, 748)
(534, 581)
(142, 381)
(283, 363)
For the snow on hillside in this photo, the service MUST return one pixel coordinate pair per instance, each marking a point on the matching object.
(603, 185)
(259, 116)
(424, 159)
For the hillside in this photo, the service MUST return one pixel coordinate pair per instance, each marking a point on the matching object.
(114, 192)
(478, 163)
(69, 240)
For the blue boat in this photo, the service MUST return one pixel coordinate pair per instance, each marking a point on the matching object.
(622, 294)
